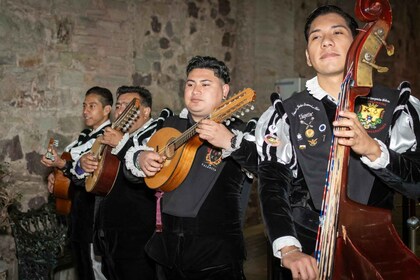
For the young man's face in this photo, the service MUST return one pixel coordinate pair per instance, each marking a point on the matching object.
(328, 42)
(203, 92)
(122, 102)
(94, 113)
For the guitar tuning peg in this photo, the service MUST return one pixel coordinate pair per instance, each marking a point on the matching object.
(232, 119)
(242, 113)
(252, 107)
(227, 122)
(247, 110)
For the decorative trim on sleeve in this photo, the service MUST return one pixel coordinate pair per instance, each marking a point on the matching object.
(121, 144)
(239, 136)
(131, 159)
(78, 171)
(380, 162)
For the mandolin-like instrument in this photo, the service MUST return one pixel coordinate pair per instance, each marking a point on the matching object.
(356, 241)
(62, 185)
(180, 148)
(102, 180)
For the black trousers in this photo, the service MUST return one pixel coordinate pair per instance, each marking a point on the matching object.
(81, 253)
(123, 255)
(195, 257)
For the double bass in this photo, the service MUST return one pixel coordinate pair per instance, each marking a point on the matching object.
(357, 241)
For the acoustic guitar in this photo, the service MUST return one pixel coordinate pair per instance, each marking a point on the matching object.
(180, 148)
(62, 188)
(102, 180)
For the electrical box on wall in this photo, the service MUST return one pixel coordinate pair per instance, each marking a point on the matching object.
(286, 87)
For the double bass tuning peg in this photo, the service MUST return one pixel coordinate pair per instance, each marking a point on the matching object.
(379, 34)
(368, 60)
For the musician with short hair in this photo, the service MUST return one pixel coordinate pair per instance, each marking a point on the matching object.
(97, 107)
(125, 217)
(200, 236)
(294, 137)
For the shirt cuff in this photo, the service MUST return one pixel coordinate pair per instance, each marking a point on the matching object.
(78, 171)
(121, 144)
(239, 137)
(380, 162)
(131, 160)
(282, 242)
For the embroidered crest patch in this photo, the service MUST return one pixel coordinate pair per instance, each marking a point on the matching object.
(370, 115)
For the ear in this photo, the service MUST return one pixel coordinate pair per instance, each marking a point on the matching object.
(225, 89)
(107, 109)
(146, 112)
(308, 60)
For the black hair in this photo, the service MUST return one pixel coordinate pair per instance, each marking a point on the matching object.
(331, 9)
(104, 94)
(144, 94)
(207, 62)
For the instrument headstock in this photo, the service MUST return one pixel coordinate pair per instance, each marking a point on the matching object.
(361, 57)
(239, 101)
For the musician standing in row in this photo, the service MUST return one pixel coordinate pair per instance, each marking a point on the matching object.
(294, 137)
(202, 236)
(125, 218)
(97, 107)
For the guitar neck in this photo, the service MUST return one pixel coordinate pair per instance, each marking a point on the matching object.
(221, 113)
(128, 116)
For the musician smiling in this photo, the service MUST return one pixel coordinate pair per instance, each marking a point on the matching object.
(385, 154)
(125, 218)
(202, 236)
(97, 107)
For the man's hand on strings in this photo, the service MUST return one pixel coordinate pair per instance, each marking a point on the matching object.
(88, 162)
(57, 162)
(355, 136)
(111, 137)
(302, 266)
(215, 133)
(51, 181)
(150, 162)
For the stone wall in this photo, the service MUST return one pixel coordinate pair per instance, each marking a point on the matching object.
(52, 51)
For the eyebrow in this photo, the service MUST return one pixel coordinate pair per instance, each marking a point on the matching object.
(89, 103)
(200, 81)
(332, 27)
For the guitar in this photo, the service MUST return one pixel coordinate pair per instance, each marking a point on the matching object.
(102, 180)
(180, 148)
(62, 189)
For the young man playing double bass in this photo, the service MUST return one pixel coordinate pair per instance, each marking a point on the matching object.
(294, 138)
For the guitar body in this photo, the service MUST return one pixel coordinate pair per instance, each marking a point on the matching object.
(62, 189)
(102, 180)
(178, 163)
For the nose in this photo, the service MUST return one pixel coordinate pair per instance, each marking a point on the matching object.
(196, 90)
(327, 41)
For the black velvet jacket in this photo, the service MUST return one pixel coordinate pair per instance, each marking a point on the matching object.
(281, 185)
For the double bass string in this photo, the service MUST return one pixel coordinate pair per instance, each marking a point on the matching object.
(327, 231)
